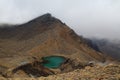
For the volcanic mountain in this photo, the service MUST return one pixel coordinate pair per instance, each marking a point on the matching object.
(43, 36)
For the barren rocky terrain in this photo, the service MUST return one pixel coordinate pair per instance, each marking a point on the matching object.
(23, 47)
(109, 72)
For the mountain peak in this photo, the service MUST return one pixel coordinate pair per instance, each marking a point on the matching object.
(46, 18)
(33, 27)
(47, 15)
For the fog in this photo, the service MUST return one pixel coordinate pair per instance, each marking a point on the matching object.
(90, 18)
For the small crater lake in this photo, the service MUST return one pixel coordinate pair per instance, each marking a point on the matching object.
(53, 61)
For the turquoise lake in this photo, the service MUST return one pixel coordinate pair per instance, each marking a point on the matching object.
(53, 61)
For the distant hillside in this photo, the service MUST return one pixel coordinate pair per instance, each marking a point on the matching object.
(110, 48)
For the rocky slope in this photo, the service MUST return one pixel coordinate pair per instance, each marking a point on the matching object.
(109, 72)
(23, 45)
(43, 35)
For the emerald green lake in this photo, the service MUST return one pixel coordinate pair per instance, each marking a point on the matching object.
(53, 61)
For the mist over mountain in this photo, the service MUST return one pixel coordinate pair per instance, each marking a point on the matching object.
(96, 18)
(108, 47)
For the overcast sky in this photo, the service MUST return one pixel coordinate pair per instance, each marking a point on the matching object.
(90, 18)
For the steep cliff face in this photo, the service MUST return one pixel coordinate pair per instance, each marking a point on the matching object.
(43, 36)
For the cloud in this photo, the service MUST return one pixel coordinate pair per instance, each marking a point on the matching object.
(99, 18)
